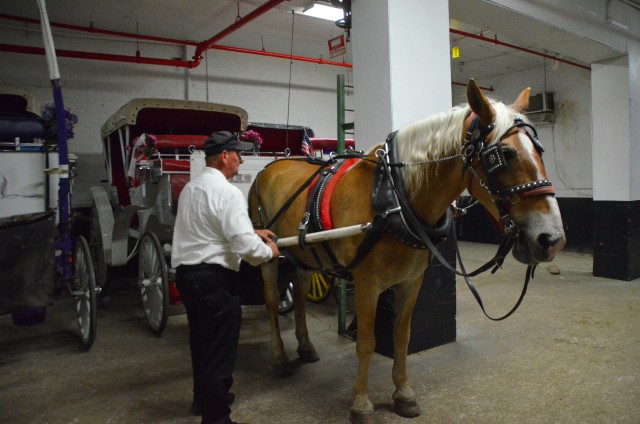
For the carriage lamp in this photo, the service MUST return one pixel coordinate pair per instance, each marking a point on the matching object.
(146, 172)
(455, 52)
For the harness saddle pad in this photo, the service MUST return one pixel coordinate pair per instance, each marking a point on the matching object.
(321, 191)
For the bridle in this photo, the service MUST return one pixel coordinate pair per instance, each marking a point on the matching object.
(492, 160)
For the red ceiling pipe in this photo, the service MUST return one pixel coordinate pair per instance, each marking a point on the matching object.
(166, 62)
(513, 46)
(91, 29)
(98, 56)
(204, 45)
(320, 61)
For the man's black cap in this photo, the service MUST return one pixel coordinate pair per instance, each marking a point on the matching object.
(224, 140)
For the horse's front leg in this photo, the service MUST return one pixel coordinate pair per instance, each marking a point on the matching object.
(269, 271)
(404, 398)
(306, 350)
(366, 302)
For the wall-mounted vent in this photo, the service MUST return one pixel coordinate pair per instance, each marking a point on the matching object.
(541, 102)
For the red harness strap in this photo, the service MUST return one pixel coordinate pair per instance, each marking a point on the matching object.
(325, 202)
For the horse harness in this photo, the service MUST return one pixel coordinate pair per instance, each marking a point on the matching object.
(395, 214)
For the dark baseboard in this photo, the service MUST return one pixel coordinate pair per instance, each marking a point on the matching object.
(616, 251)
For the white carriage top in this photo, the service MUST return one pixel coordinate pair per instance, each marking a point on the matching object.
(129, 114)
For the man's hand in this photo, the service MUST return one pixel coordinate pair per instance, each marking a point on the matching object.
(269, 237)
(266, 235)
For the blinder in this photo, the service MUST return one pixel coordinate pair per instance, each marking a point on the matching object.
(493, 159)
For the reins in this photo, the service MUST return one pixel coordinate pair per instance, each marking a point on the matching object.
(493, 161)
(495, 262)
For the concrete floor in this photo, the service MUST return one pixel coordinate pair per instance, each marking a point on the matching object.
(570, 354)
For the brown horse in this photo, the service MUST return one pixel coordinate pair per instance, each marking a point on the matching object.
(486, 147)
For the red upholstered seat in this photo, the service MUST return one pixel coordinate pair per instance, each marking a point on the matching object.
(172, 141)
(176, 165)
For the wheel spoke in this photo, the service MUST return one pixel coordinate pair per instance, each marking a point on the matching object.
(153, 282)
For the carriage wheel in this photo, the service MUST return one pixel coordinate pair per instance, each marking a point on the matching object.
(286, 277)
(153, 282)
(319, 287)
(83, 288)
(286, 299)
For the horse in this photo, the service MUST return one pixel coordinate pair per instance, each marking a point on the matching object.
(486, 147)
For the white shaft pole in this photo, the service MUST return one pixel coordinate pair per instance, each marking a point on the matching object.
(325, 235)
(52, 62)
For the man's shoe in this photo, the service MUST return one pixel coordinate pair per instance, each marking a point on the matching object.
(195, 406)
(229, 398)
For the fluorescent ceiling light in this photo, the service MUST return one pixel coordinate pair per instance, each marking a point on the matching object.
(322, 11)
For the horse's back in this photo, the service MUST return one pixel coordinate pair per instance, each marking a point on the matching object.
(277, 184)
(274, 189)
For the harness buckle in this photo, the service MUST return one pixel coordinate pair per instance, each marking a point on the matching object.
(390, 211)
(305, 221)
(509, 225)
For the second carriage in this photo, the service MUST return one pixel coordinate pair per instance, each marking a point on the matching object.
(151, 149)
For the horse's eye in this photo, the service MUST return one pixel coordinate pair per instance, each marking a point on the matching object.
(508, 154)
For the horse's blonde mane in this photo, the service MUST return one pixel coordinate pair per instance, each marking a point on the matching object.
(440, 136)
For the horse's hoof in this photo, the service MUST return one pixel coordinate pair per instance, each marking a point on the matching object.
(283, 370)
(308, 355)
(406, 408)
(359, 418)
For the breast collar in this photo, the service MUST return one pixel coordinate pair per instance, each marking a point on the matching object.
(390, 201)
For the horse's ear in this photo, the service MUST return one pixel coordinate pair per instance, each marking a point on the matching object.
(480, 104)
(522, 102)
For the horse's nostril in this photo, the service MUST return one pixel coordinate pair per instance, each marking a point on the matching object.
(548, 240)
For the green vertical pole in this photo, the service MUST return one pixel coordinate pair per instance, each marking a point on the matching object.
(341, 114)
(342, 287)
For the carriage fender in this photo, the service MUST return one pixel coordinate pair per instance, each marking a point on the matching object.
(114, 230)
(103, 213)
(121, 229)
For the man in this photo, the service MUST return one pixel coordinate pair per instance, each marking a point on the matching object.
(212, 233)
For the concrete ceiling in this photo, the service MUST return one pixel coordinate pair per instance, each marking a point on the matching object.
(198, 20)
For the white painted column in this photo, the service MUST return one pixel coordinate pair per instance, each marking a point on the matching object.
(611, 138)
(401, 65)
(633, 47)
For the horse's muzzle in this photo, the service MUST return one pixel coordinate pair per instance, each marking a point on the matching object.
(542, 247)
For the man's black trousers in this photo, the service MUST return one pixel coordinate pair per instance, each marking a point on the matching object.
(214, 315)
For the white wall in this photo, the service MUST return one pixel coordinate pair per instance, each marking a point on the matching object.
(96, 89)
(567, 142)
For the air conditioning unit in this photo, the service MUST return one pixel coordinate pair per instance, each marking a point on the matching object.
(541, 108)
(541, 102)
